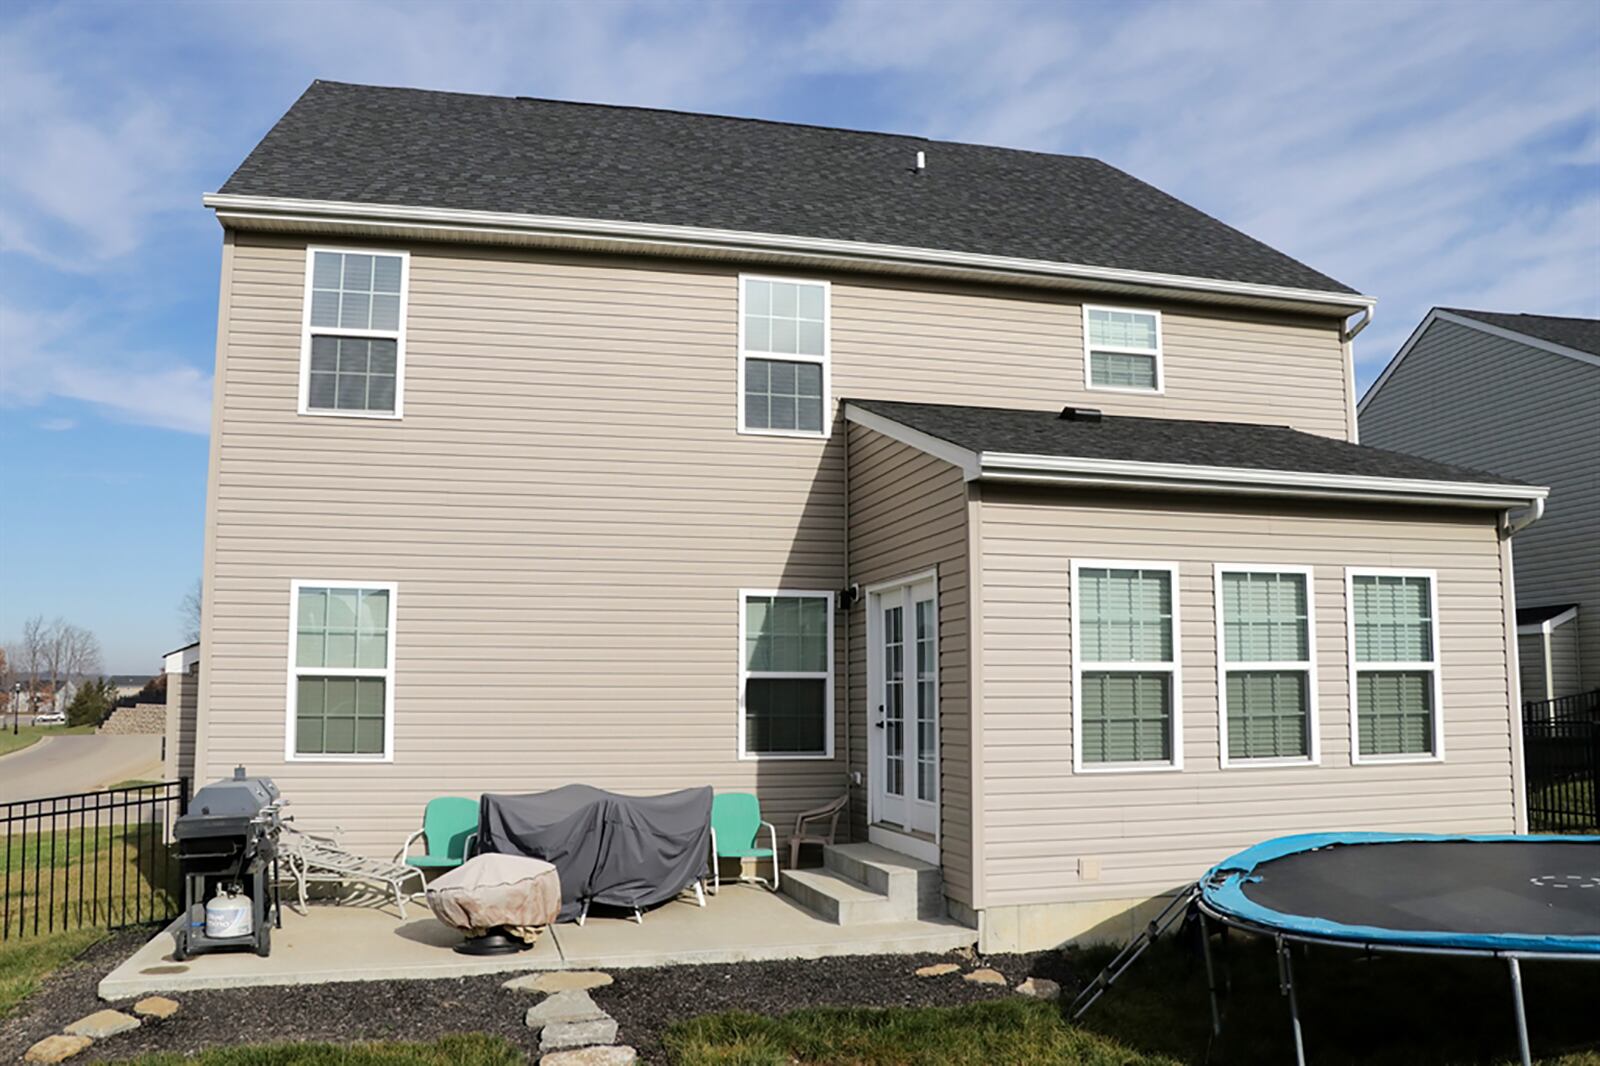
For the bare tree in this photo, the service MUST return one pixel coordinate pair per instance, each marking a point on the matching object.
(80, 653)
(33, 653)
(189, 612)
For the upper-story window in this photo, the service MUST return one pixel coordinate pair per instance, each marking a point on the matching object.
(783, 356)
(352, 350)
(1122, 349)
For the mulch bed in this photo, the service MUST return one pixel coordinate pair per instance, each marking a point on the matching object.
(643, 1001)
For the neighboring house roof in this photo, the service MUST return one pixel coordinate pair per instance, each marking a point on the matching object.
(1172, 453)
(364, 145)
(1580, 333)
(1574, 338)
(1535, 616)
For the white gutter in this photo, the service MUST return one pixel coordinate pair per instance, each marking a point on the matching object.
(233, 207)
(1510, 527)
(1184, 477)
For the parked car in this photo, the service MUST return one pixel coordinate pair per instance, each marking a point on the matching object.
(50, 718)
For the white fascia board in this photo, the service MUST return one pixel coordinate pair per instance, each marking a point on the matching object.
(1278, 482)
(967, 461)
(180, 661)
(1548, 624)
(229, 205)
(1437, 315)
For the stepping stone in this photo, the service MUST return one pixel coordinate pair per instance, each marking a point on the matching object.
(57, 1048)
(592, 1056)
(985, 977)
(938, 969)
(558, 981)
(103, 1023)
(1040, 988)
(574, 1006)
(159, 1007)
(559, 1036)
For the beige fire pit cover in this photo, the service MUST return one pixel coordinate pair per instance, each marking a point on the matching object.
(490, 891)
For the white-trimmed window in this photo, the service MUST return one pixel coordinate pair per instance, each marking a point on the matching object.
(352, 347)
(341, 670)
(785, 674)
(1267, 680)
(783, 356)
(1126, 702)
(1122, 349)
(1394, 665)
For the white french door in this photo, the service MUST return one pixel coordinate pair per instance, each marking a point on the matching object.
(903, 673)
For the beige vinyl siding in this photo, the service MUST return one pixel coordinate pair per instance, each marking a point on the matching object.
(908, 515)
(1530, 666)
(1463, 396)
(1154, 831)
(569, 513)
(183, 699)
(1566, 662)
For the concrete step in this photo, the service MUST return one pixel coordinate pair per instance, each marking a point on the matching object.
(914, 887)
(837, 899)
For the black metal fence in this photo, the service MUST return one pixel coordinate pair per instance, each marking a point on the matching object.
(102, 859)
(1561, 755)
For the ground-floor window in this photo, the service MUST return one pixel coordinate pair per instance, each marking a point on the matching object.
(1126, 705)
(1265, 648)
(785, 674)
(341, 674)
(1394, 670)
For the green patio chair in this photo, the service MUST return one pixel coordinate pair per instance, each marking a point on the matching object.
(449, 824)
(735, 828)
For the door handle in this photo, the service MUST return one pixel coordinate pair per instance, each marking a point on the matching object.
(879, 722)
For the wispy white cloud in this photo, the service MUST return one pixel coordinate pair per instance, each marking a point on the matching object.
(62, 356)
(58, 425)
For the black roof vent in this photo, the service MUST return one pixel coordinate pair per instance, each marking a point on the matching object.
(1080, 414)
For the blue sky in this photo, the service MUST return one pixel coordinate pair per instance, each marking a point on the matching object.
(1426, 153)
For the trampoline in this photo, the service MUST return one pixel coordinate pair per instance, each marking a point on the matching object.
(1506, 897)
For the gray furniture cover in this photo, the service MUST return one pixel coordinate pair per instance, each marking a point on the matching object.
(621, 851)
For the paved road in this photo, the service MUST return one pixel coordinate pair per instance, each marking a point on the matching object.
(58, 765)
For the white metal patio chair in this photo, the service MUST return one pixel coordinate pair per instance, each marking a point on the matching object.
(804, 834)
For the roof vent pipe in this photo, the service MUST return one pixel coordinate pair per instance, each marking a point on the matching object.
(922, 162)
(1080, 414)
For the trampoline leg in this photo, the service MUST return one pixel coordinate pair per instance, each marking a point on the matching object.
(1522, 1016)
(1286, 986)
(1211, 974)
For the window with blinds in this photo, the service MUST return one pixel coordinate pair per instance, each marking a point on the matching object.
(1395, 674)
(786, 682)
(1122, 349)
(1125, 665)
(783, 356)
(341, 691)
(1267, 675)
(353, 337)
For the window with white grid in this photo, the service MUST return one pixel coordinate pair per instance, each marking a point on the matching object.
(353, 342)
(1122, 349)
(783, 356)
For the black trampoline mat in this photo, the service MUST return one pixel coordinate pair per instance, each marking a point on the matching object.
(1536, 888)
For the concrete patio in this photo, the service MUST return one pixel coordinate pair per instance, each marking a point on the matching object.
(369, 942)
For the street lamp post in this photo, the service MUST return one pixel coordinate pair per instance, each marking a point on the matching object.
(16, 707)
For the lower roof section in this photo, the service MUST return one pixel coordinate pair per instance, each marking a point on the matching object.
(1175, 454)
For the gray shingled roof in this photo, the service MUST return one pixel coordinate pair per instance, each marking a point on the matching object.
(1241, 445)
(1580, 333)
(364, 145)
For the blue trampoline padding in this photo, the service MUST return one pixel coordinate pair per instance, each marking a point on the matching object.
(1223, 890)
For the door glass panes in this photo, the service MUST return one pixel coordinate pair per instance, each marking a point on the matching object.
(927, 702)
(894, 700)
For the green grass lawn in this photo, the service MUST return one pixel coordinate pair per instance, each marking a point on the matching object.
(1571, 796)
(85, 877)
(1388, 1010)
(29, 735)
(24, 963)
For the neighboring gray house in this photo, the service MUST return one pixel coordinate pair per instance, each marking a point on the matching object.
(564, 443)
(1519, 395)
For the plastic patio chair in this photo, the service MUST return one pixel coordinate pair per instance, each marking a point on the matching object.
(735, 826)
(803, 834)
(449, 824)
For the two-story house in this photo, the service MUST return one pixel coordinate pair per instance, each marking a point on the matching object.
(1519, 394)
(567, 443)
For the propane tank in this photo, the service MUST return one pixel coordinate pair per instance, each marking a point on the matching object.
(229, 914)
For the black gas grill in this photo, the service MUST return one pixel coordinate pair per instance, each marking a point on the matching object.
(228, 843)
